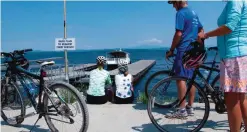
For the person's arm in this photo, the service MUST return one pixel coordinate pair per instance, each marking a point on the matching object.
(176, 39)
(132, 83)
(200, 31)
(116, 80)
(178, 34)
(108, 79)
(233, 13)
(220, 31)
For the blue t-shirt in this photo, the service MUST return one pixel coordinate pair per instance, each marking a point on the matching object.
(188, 22)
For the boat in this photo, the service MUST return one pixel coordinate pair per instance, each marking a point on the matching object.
(114, 57)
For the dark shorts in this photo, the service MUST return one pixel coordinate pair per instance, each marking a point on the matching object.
(96, 99)
(125, 100)
(179, 68)
(101, 99)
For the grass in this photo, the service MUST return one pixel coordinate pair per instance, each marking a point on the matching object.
(142, 98)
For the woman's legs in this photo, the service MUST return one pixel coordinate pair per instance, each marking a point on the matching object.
(243, 106)
(232, 101)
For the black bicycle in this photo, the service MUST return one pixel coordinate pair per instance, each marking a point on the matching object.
(212, 70)
(165, 101)
(60, 99)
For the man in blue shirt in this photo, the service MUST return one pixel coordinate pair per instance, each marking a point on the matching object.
(188, 27)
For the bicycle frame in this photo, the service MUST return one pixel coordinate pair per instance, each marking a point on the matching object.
(19, 71)
(205, 80)
(192, 81)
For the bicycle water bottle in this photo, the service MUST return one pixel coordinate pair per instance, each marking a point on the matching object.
(205, 74)
(32, 88)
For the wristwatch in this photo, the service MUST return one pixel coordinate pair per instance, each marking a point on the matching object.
(171, 50)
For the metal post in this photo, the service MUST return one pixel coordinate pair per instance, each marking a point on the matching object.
(65, 51)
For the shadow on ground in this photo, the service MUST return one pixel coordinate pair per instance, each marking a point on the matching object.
(28, 127)
(215, 126)
(140, 106)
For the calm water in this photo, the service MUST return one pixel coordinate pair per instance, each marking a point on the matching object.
(80, 57)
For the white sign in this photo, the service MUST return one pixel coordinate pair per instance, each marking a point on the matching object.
(62, 44)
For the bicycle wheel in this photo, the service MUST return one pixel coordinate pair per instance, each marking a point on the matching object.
(152, 80)
(69, 108)
(178, 124)
(12, 107)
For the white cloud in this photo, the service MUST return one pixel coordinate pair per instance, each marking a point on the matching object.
(149, 41)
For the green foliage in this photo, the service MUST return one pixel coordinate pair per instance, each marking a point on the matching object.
(142, 98)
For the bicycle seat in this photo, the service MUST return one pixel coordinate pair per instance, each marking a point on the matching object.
(46, 63)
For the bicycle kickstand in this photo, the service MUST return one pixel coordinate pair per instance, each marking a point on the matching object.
(40, 116)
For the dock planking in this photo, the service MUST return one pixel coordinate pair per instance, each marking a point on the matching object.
(136, 69)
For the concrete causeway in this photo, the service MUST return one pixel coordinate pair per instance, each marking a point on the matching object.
(121, 118)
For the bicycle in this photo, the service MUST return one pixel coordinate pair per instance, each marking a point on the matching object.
(217, 97)
(53, 104)
(212, 68)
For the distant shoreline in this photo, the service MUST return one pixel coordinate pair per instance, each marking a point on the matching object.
(124, 49)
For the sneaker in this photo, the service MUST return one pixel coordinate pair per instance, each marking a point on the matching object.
(179, 114)
(190, 110)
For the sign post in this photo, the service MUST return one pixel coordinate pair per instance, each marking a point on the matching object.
(65, 51)
(65, 44)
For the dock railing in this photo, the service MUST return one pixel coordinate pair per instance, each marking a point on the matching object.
(56, 71)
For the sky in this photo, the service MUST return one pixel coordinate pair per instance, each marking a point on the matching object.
(97, 25)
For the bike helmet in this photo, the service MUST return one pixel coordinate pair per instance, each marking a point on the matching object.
(173, 1)
(123, 66)
(195, 56)
(101, 59)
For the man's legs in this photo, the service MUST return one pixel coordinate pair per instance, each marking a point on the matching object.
(192, 95)
(181, 92)
(181, 86)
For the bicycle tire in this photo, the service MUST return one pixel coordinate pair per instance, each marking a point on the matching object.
(164, 72)
(79, 97)
(207, 106)
(20, 118)
(217, 78)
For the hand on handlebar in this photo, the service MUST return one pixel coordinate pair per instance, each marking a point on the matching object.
(169, 54)
(202, 36)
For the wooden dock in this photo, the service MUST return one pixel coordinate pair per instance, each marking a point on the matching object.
(136, 69)
(80, 73)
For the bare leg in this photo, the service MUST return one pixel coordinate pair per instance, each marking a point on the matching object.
(243, 105)
(192, 95)
(181, 92)
(233, 110)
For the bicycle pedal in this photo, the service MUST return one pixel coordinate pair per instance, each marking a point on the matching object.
(19, 119)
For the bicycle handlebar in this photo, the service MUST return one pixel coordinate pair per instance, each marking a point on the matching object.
(15, 52)
(16, 55)
(22, 51)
